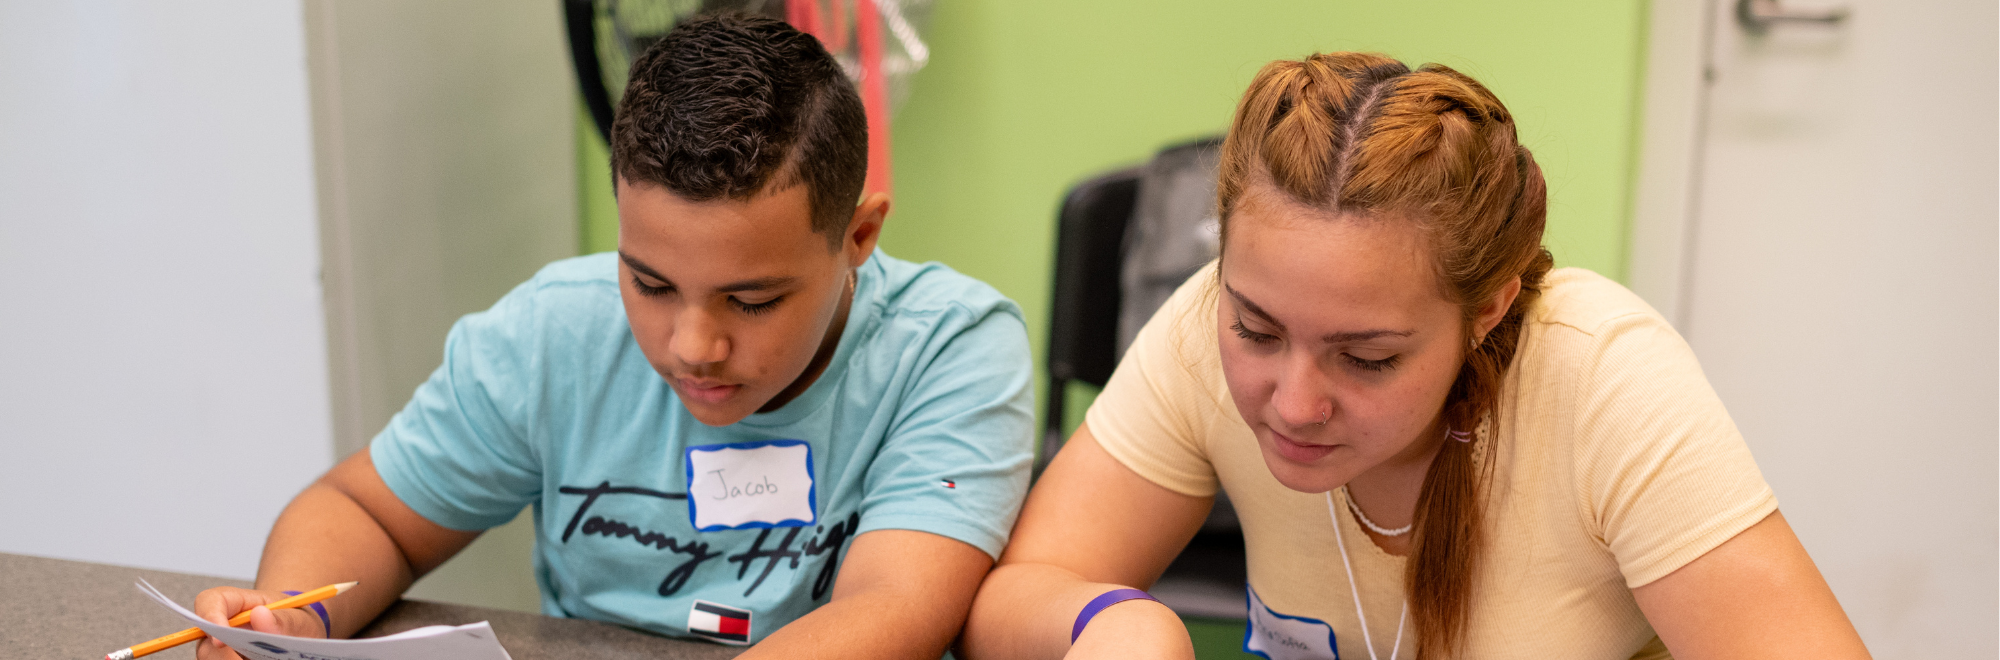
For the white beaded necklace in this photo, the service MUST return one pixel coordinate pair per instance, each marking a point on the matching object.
(1449, 434)
(1378, 529)
(1355, 588)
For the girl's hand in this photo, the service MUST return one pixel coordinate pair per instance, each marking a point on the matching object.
(1133, 629)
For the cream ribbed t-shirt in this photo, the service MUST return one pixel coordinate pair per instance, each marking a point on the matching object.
(1615, 464)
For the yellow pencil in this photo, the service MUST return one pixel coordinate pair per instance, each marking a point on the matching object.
(192, 634)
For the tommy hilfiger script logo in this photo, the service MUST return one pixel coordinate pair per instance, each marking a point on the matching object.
(825, 540)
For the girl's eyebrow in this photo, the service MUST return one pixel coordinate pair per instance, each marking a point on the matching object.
(1364, 335)
(1333, 338)
(1253, 308)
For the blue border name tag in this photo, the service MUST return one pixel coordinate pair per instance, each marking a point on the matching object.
(1284, 637)
(751, 485)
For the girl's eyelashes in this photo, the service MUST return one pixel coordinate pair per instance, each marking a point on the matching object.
(1383, 364)
(1363, 364)
(1246, 333)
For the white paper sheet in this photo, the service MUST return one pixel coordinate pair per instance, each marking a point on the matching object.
(472, 641)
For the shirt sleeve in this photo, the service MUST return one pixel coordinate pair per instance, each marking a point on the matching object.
(956, 459)
(1154, 413)
(457, 453)
(1663, 474)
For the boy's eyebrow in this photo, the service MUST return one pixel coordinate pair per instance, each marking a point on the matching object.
(758, 284)
(643, 269)
(1331, 338)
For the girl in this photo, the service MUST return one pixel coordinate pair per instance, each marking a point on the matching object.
(1438, 447)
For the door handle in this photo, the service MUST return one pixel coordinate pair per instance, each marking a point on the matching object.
(1757, 16)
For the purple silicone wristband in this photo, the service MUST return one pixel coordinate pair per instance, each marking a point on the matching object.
(1107, 599)
(321, 611)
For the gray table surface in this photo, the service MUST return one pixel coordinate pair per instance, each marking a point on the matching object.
(52, 609)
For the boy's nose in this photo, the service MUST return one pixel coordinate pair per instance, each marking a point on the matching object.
(698, 341)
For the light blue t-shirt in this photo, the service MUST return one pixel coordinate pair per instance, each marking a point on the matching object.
(921, 421)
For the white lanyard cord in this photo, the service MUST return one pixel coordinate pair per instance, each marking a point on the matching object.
(1355, 588)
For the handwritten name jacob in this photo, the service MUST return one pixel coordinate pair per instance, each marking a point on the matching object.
(759, 485)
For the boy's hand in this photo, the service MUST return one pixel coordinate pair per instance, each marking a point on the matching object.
(222, 603)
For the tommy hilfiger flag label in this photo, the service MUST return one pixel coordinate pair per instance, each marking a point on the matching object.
(719, 622)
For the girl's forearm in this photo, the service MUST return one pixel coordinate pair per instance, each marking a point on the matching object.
(1026, 611)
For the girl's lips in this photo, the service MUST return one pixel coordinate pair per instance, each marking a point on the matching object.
(709, 393)
(1298, 452)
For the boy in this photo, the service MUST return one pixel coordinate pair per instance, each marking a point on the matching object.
(745, 425)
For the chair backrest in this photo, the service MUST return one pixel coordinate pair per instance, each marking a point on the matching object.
(1083, 309)
(1124, 241)
(1085, 306)
(1173, 232)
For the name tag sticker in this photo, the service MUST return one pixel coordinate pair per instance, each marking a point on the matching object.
(751, 485)
(1282, 637)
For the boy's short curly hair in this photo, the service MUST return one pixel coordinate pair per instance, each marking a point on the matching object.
(725, 106)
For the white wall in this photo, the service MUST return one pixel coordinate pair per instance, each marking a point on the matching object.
(1820, 220)
(173, 176)
(162, 353)
(445, 152)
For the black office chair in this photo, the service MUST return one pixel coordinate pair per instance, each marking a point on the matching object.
(1095, 240)
(1083, 314)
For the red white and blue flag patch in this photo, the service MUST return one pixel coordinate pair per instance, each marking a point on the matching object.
(720, 623)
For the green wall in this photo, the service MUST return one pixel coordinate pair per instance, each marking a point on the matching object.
(1023, 98)
(597, 210)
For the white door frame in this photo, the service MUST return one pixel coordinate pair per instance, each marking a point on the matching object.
(1674, 109)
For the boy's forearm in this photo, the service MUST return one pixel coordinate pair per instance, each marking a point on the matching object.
(325, 537)
(349, 526)
(900, 594)
(864, 626)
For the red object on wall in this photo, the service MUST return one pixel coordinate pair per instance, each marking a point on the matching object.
(831, 30)
(874, 94)
(804, 15)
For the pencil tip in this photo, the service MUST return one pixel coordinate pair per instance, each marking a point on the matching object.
(343, 587)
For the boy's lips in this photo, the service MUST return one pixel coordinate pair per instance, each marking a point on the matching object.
(1296, 451)
(705, 391)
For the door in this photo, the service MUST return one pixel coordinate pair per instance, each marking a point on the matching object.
(1836, 274)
